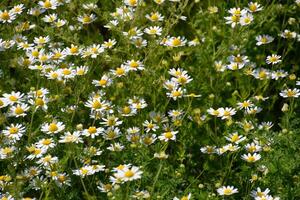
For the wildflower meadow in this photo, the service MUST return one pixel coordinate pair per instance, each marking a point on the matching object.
(149, 99)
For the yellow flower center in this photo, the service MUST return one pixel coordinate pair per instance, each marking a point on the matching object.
(154, 17)
(13, 98)
(182, 80)
(13, 130)
(74, 50)
(86, 19)
(126, 110)
(235, 18)
(66, 72)
(129, 174)
(19, 110)
(252, 149)
(37, 151)
(153, 31)
(102, 82)
(168, 135)
(7, 150)
(290, 93)
(46, 142)
(176, 93)
(5, 15)
(84, 171)
(235, 138)
(251, 159)
(134, 64)
(264, 40)
(1, 103)
(253, 7)
(47, 4)
(54, 75)
(227, 191)
(61, 178)
(147, 140)
(97, 105)
(52, 127)
(120, 71)
(132, 2)
(92, 130)
(176, 42)
(39, 102)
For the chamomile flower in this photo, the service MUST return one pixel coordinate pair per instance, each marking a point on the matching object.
(246, 19)
(3, 102)
(227, 190)
(7, 152)
(148, 139)
(150, 126)
(35, 152)
(226, 113)
(47, 160)
(176, 93)
(54, 75)
(289, 93)
(96, 104)
(187, 197)
(13, 98)
(120, 71)
(53, 127)
(254, 7)
(48, 4)
(19, 110)
(109, 44)
(18, 9)
(41, 40)
(137, 103)
(263, 39)
(273, 59)
(111, 121)
(71, 138)
(134, 65)
(60, 23)
(127, 111)
(73, 50)
(251, 158)
(182, 79)
(50, 18)
(139, 42)
(45, 143)
(155, 17)
(111, 133)
(265, 126)
(103, 82)
(176, 42)
(116, 147)
(244, 105)
(92, 131)
(7, 16)
(235, 138)
(168, 135)
(129, 173)
(288, 34)
(81, 70)
(14, 132)
(253, 147)
(132, 3)
(90, 6)
(153, 30)
(159, 1)
(87, 19)
(279, 74)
